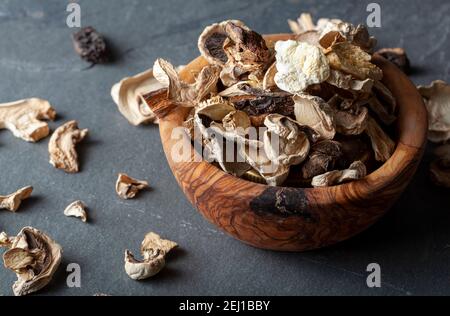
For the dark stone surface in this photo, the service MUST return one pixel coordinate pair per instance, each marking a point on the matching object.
(412, 243)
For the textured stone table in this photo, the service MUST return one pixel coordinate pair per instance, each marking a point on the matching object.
(412, 243)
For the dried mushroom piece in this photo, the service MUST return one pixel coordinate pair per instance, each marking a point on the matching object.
(154, 250)
(127, 187)
(12, 201)
(349, 118)
(316, 114)
(180, 92)
(382, 144)
(5, 240)
(299, 65)
(269, 78)
(437, 100)
(24, 118)
(325, 156)
(304, 23)
(90, 45)
(236, 121)
(398, 57)
(440, 167)
(128, 95)
(347, 82)
(356, 171)
(62, 146)
(284, 141)
(77, 209)
(34, 257)
(351, 59)
(381, 111)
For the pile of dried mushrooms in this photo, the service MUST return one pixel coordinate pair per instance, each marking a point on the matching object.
(297, 109)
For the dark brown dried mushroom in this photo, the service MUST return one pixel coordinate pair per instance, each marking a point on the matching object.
(34, 257)
(90, 45)
(440, 167)
(398, 57)
(325, 156)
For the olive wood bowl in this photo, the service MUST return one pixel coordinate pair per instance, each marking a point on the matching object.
(296, 219)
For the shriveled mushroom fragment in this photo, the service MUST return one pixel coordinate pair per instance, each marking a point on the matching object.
(12, 201)
(127, 187)
(24, 118)
(34, 257)
(325, 156)
(347, 82)
(440, 167)
(351, 59)
(304, 23)
(382, 144)
(316, 114)
(356, 171)
(299, 65)
(349, 121)
(437, 101)
(284, 141)
(182, 93)
(5, 240)
(62, 146)
(154, 250)
(398, 57)
(76, 209)
(127, 94)
(269, 77)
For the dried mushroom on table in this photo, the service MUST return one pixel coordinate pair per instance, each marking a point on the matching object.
(309, 111)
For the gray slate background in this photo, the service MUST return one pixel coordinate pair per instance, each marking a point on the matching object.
(412, 243)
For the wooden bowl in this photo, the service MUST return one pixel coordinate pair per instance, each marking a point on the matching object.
(295, 219)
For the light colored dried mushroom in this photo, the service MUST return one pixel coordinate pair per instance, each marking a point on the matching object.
(316, 114)
(154, 250)
(347, 82)
(62, 146)
(12, 201)
(299, 65)
(76, 209)
(437, 101)
(382, 144)
(34, 257)
(304, 23)
(351, 59)
(440, 167)
(127, 187)
(24, 118)
(356, 171)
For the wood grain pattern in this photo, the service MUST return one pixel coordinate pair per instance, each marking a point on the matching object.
(293, 219)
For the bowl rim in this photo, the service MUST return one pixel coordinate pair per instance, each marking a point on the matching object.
(411, 125)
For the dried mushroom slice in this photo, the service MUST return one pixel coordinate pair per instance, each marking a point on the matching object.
(398, 57)
(34, 257)
(236, 121)
(12, 201)
(351, 59)
(266, 104)
(381, 111)
(437, 100)
(154, 250)
(299, 65)
(440, 167)
(349, 119)
(284, 141)
(5, 240)
(180, 92)
(24, 118)
(269, 78)
(347, 82)
(62, 146)
(304, 23)
(316, 114)
(382, 144)
(325, 156)
(356, 171)
(127, 187)
(76, 209)
(334, 31)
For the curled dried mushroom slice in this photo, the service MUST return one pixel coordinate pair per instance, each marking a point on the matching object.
(24, 118)
(128, 95)
(316, 114)
(153, 250)
(62, 146)
(351, 59)
(299, 65)
(356, 171)
(382, 144)
(437, 100)
(127, 187)
(325, 156)
(76, 209)
(12, 201)
(440, 167)
(34, 257)
(347, 82)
